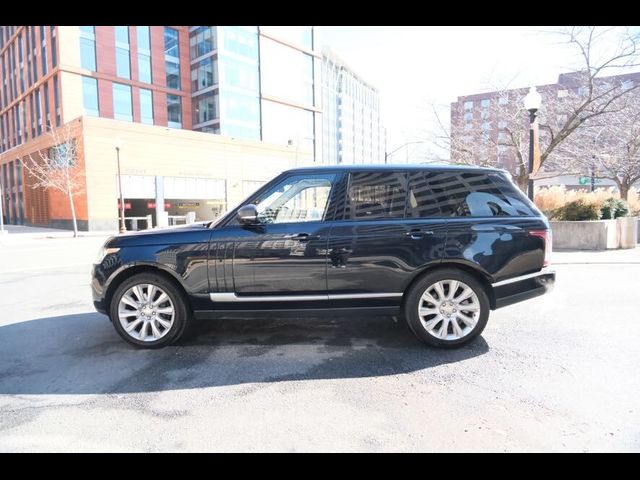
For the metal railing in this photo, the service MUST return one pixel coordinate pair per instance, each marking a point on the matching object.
(133, 222)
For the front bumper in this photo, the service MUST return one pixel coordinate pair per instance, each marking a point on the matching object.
(97, 289)
(518, 289)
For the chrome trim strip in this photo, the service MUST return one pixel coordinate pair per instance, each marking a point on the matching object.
(544, 271)
(232, 297)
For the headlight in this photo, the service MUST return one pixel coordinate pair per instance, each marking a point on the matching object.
(104, 251)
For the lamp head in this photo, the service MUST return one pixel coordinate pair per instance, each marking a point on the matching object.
(533, 100)
(117, 143)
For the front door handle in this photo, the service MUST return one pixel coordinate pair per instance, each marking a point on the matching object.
(301, 237)
(418, 233)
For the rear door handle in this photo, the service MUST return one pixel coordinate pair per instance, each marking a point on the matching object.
(418, 233)
(301, 237)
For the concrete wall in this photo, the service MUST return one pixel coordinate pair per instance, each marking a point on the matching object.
(154, 150)
(585, 235)
(596, 234)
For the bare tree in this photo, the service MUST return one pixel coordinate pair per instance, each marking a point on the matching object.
(608, 146)
(56, 168)
(588, 93)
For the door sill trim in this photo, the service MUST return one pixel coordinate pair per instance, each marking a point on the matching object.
(228, 297)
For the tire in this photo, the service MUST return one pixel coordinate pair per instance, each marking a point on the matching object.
(165, 319)
(469, 312)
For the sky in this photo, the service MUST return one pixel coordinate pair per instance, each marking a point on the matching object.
(415, 67)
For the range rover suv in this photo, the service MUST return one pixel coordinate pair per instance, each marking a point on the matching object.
(440, 246)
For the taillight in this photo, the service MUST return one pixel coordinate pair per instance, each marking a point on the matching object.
(546, 236)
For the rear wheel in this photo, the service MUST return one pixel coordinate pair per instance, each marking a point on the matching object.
(149, 311)
(447, 308)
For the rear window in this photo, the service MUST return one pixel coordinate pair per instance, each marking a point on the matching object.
(477, 195)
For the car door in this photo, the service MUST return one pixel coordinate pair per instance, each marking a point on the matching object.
(374, 251)
(285, 254)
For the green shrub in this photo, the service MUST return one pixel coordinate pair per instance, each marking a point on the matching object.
(614, 208)
(577, 210)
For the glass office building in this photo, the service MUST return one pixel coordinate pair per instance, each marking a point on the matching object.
(256, 83)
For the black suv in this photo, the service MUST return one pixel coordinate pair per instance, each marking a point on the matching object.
(439, 245)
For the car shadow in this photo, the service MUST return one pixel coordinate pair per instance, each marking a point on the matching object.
(82, 354)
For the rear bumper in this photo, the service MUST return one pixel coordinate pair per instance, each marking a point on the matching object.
(518, 289)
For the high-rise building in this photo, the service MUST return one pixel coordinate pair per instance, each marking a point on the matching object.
(254, 86)
(351, 128)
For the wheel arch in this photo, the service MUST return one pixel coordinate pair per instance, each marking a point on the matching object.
(135, 269)
(474, 271)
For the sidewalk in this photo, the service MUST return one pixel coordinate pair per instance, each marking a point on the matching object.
(21, 233)
(567, 257)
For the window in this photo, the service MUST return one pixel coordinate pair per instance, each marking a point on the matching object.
(376, 195)
(56, 100)
(173, 75)
(293, 83)
(478, 195)
(468, 116)
(144, 54)
(296, 35)
(301, 198)
(502, 124)
(47, 113)
(172, 57)
(122, 109)
(627, 85)
(421, 202)
(88, 48)
(43, 50)
(63, 155)
(486, 126)
(468, 105)
(203, 74)
(202, 41)
(485, 102)
(38, 112)
(468, 126)
(123, 60)
(54, 52)
(90, 96)
(146, 106)
(282, 124)
(503, 101)
(171, 47)
(174, 111)
(562, 93)
(205, 108)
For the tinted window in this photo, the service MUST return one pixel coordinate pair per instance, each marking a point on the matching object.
(376, 195)
(476, 195)
(421, 202)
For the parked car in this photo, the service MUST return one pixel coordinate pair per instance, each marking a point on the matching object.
(439, 245)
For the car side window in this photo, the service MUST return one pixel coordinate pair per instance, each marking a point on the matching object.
(421, 201)
(300, 198)
(473, 194)
(376, 195)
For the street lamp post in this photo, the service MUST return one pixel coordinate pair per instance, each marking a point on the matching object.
(388, 154)
(532, 104)
(123, 228)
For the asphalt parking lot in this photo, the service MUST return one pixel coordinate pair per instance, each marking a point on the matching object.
(557, 373)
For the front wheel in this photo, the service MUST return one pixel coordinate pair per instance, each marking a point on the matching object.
(447, 308)
(148, 311)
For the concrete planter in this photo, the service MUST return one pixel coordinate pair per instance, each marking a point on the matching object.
(627, 232)
(585, 235)
(596, 234)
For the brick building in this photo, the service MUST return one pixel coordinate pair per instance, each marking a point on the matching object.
(163, 90)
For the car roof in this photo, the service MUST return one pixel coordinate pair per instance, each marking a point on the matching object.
(393, 167)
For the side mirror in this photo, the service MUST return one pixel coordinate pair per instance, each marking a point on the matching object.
(248, 215)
